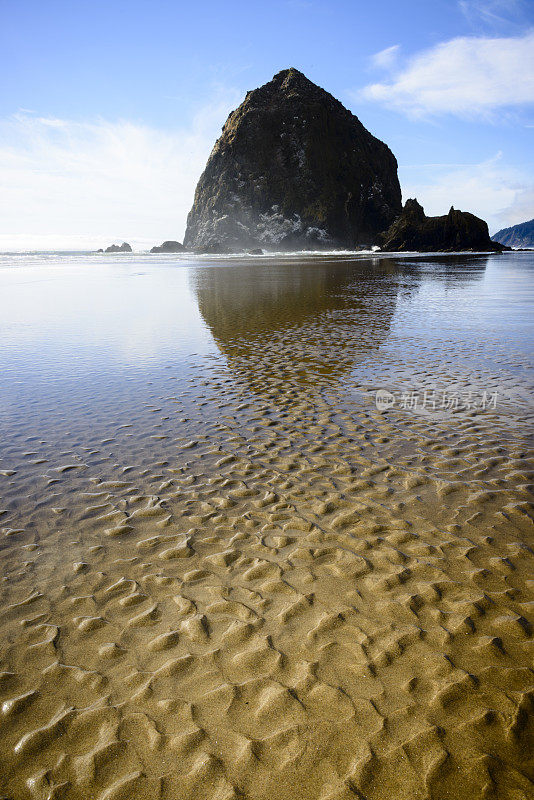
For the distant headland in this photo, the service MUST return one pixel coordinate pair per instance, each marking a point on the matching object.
(518, 236)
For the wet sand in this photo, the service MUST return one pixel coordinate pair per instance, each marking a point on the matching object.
(229, 575)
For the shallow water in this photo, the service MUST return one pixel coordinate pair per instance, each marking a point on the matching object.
(226, 573)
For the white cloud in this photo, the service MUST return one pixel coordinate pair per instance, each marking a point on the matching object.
(467, 76)
(386, 59)
(500, 194)
(67, 184)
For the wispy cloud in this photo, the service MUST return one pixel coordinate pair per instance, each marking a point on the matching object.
(74, 184)
(386, 59)
(492, 189)
(466, 76)
(493, 14)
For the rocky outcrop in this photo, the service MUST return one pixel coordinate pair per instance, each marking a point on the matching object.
(213, 248)
(518, 236)
(119, 248)
(168, 247)
(457, 230)
(293, 169)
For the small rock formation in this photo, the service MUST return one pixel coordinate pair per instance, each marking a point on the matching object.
(119, 248)
(213, 248)
(293, 169)
(457, 230)
(518, 236)
(168, 247)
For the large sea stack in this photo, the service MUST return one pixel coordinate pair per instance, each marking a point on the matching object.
(293, 169)
(455, 231)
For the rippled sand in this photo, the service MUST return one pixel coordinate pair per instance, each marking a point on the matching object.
(246, 582)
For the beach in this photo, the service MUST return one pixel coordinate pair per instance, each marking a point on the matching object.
(227, 570)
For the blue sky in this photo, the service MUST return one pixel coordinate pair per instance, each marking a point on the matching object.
(110, 108)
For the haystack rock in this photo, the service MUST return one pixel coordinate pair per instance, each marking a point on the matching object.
(457, 230)
(293, 169)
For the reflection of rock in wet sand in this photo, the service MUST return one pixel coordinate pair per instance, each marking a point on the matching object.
(449, 270)
(297, 321)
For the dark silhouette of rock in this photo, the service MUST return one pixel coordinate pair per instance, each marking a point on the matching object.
(256, 251)
(119, 248)
(168, 247)
(100, 250)
(293, 169)
(457, 230)
(518, 236)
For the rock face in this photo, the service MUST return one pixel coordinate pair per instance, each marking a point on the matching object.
(457, 230)
(119, 248)
(293, 169)
(517, 236)
(168, 247)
